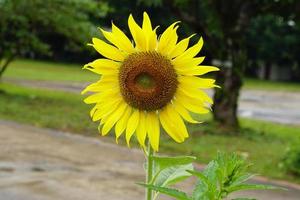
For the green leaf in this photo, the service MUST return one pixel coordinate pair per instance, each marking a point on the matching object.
(163, 162)
(172, 175)
(206, 186)
(243, 178)
(168, 191)
(201, 191)
(243, 199)
(211, 171)
(200, 176)
(251, 187)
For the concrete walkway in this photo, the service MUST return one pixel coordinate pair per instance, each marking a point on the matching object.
(41, 164)
(274, 106)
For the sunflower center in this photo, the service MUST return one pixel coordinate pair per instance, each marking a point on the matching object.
(147, 80)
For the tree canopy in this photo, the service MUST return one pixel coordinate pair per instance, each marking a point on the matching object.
(56, 27)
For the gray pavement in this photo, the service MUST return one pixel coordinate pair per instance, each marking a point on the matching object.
(42, 164)
(274, 106)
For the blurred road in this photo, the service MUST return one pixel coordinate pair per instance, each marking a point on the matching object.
(280, 107)
(41, 164)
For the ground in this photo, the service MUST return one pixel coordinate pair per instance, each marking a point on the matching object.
(42, 164)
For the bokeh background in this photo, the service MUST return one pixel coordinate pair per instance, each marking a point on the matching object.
(256, 45)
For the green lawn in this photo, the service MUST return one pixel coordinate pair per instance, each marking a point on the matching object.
(271, 85)
(264, 143)
(39, 70)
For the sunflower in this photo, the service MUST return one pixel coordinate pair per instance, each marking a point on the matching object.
(147, 82)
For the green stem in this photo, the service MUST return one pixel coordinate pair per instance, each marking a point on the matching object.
(150, 166)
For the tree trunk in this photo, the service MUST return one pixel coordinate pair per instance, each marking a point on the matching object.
(225, 106)
(267, 71)
(226, 99)
(5, 65)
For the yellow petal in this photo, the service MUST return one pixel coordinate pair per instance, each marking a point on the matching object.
(121, 124)
(184, 64)
(109, 36)
(104, 71)
(137, 33)
(180, 47)
(172, 41)
(177, 121)
(141, 130)
(197, 70)
(124, 43)
(153, 130)
(110, 78)
(152, 40)
(102, 62)
(101, 86)
(108, 50)
(102, 96)
(103, 66)
(93, 110)
(147, 27)
(183, 112)
(192, 51)
(113, 118)
(149, 34)
(91, 88)
(192, 81)
(133, 121)
(169, 126)
(119, 39)
(104, 109)
(94, 98)
(167, 39)
(195, 93)
(191, 104)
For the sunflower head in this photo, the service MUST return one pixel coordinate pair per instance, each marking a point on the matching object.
(147, 83)
(147, 80)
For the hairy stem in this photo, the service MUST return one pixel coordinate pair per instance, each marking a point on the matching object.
(149, 176)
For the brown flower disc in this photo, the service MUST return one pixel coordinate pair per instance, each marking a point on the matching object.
(147, 80)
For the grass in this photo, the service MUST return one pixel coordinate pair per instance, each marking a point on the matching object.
(271, 85)
(47, 71)
(40, 70)
(263, 143)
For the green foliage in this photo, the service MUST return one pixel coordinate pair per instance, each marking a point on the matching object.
(168, 191)
(291, 160)
(45, 27)
(273, 39)
(170, 170)
(226, 174)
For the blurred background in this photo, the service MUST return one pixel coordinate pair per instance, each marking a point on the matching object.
(256, 45)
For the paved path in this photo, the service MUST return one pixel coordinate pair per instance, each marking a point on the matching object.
(280, 107)
(41, 164)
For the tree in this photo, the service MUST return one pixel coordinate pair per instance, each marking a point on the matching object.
(272, 39)
(41, 27)
(224, 25)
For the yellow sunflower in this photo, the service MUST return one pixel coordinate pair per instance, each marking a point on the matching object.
(150, 81)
